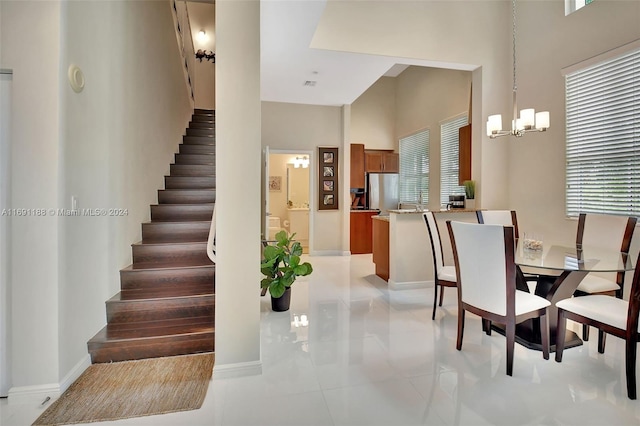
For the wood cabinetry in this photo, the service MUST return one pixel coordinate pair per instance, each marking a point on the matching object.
(464, 153)
(361, 235)
(381, 161)
(357, 165)
(381, 247)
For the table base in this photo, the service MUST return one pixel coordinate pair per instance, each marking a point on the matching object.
(528, 335)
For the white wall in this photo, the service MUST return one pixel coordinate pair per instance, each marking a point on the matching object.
(373, 116)
(306, 127)
(109, 145)
(5, 237)
(35, 145)
(238, 172)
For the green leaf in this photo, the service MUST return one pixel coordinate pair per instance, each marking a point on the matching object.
(296, 249)
(271, 252)
(282, 239)
(277, 289)
(304, 269)
(294, 261)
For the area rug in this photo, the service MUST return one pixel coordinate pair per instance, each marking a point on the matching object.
(127, 389)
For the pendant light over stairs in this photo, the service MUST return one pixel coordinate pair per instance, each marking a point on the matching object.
(166, 302)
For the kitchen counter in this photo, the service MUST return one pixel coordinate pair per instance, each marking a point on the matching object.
(414, 211)
(364, 211)
(410, 262)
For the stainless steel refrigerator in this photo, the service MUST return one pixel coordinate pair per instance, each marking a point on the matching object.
(382, 191)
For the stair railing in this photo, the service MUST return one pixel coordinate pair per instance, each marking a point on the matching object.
(185, 44)
(211, 241)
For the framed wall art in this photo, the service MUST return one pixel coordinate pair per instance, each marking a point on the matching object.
(327, 178)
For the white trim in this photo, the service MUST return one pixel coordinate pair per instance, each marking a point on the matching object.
(240, 369)
(602, 57)
(33, 394)
(408, 285)
(75, 372)
(329, 253)
(38, 393)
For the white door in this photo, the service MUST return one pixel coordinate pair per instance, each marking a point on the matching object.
(265, 194)
(5, 313)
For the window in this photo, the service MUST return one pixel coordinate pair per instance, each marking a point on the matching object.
(449, 160)
(603, 137)
(571, 6)
(414, 168)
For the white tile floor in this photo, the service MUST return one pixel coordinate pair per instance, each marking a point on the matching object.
(370, 356)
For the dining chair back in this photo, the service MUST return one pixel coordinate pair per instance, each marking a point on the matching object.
(499, 217)
(606, 231)
(485, 265)
(443, 276)
(611, 315)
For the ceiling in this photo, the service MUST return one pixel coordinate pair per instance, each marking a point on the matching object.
(294, 73)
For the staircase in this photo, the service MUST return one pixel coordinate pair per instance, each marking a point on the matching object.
(166, 301)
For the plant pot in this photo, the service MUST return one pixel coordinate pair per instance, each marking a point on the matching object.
(281, 304)
(470, 204)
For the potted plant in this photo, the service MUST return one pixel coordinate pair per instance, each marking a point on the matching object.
(280, 266)
(470, 194)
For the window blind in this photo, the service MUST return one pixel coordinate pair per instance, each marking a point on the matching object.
(603, 138)
(449, 159)
(414, 168)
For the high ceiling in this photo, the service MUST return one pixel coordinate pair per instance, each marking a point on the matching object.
(294, 73)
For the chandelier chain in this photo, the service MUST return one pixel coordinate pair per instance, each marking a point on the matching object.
(515, 87)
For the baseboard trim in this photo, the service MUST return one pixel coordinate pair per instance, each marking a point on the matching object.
(330, 253)
(241, 369)
(38, 393)
(75, 372)
(407, 285)
(35, 394)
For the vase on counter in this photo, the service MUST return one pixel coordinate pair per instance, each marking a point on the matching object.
(470, 203)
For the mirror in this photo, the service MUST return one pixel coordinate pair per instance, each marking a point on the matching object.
(297, 186)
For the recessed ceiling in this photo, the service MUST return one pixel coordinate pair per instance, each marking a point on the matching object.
(288, 63)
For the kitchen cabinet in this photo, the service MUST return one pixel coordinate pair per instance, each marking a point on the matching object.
(381, 246)
(357, 165)
(381, 162)
(464, 154)
(361, 235)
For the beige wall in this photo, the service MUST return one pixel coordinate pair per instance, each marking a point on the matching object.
(426, 97)
(306, 127)
(468, 32)
(373, 116)
(109, 145)
(238, 172)
(203, 16)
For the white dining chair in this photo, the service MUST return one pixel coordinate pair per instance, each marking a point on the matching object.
(609, 314)
(443, 276)
(485, 265)
(607, 231)
(499, 217)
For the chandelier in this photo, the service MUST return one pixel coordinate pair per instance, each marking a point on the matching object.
(530, 120)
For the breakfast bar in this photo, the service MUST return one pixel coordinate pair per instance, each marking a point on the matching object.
(401, 248)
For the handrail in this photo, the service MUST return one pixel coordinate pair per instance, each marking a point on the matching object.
(185, 43)
(211, 241)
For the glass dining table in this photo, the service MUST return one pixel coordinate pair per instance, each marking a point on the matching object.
(559, 270)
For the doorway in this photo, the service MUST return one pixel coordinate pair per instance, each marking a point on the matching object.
(289, 195)
(6, 78)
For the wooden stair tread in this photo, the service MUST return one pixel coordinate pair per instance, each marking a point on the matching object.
(154, 329)
(167, 265)
(166, 303)
(118, 297)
